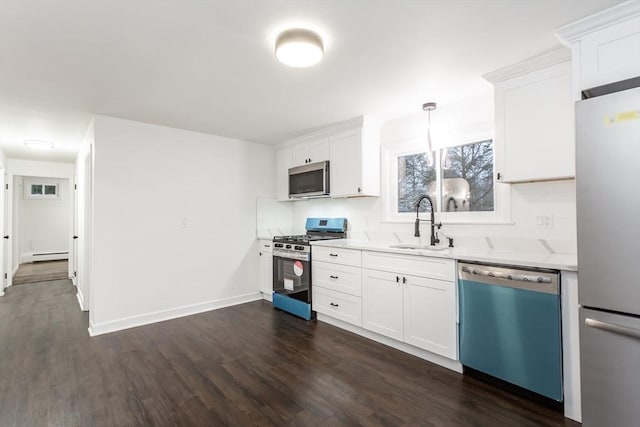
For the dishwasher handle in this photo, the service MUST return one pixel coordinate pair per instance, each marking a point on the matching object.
(517, 277)
(530, 280)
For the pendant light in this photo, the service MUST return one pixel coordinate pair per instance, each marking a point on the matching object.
(429, 107)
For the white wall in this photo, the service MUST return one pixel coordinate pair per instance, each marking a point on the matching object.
(174, 216)
(527, 200)
(44, 223)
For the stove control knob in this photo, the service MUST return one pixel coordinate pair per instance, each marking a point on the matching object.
(288, 247)
(299, 248)
(278, 245)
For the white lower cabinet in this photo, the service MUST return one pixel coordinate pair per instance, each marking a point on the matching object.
(430, 315)
(411, 299)
(265, 267)
(418, 310)
(383, 300)
(345, 307)
(336, 278)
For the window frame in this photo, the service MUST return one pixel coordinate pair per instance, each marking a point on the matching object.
(468, 135)
(28, 185)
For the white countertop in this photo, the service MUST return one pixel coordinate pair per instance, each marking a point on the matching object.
(567, 262)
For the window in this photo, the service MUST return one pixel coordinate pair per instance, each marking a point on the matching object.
(467, 177)
(415, 177)
(41, 191)
(460, 179)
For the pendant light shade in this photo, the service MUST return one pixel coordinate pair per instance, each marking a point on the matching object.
(429, 107)
(299, 47)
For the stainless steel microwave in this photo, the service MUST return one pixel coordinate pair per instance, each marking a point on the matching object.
(310, 180)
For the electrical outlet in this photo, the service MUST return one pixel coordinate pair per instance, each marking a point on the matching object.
(544, 221)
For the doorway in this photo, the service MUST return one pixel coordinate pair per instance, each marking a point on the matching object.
(40, 228)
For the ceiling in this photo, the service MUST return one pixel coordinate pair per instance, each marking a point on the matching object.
(209, 66)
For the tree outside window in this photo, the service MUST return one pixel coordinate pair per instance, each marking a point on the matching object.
(470, 169)
(415, 175)
(466, 179)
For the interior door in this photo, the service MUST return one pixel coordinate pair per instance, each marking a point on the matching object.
(3, 217)
(74, 267)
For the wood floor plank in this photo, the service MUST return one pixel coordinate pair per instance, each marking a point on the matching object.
(247, 365)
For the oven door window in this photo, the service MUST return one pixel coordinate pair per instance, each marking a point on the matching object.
(291, 277)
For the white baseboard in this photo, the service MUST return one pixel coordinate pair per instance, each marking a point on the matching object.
(454, 365)
(267, 296)
(159, 316)
(81, 300)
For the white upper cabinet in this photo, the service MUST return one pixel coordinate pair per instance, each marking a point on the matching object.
(605, 46)
(284, 160)
(534, 119)
(355, 163)
(353, 151)
(315, 150)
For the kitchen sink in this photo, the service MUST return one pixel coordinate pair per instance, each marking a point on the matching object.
(419, 247)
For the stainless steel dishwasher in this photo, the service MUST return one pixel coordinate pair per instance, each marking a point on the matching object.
(510, 325)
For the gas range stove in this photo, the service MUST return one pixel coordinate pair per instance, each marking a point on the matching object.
(317, 229)
(292, 264)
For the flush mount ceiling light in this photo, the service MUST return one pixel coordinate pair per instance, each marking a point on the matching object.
(298, 47)
(34, 144)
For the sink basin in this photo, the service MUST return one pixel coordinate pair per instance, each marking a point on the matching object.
(419, 247)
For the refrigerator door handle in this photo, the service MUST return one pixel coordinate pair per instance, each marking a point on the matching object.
(610, 327)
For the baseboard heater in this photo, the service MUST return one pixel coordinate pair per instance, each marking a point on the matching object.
(51, 253)
(49, 256)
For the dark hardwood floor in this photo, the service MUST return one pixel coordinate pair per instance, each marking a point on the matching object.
(240, 366)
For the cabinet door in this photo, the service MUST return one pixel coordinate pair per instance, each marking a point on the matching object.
(382, 303)
(300, 154)
(430, 315)
(312, 151)
(346, 164)
(266, 272)
(537, 126)
(319, 150)
(283, 163)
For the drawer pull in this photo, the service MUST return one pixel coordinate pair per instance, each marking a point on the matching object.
(334, 305)
(397, 279)
(404, 280)
(334, 255)
(334, 277)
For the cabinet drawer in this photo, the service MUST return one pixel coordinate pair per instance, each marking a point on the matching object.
(336, 304)
(341, 278)
(337, 255)
(434, 268)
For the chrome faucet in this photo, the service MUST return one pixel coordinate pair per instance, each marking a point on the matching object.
(434, 235)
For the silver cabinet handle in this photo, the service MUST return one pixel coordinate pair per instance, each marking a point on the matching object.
(610, 327)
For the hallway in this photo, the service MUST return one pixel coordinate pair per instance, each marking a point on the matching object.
(41, 271)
